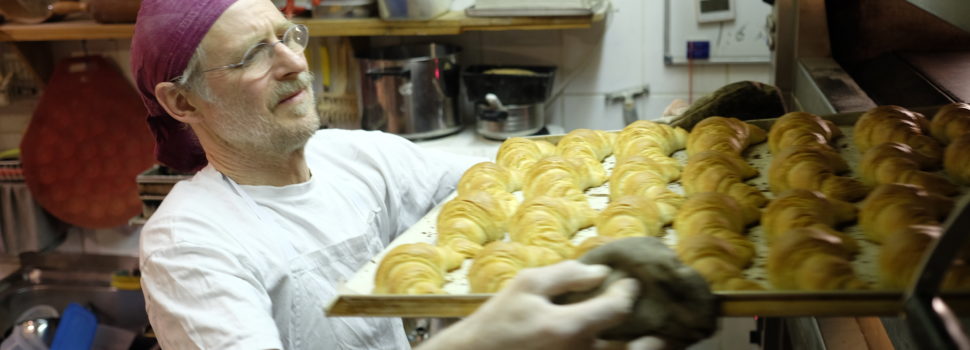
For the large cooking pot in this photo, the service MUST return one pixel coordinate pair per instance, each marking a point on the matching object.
(410, 90)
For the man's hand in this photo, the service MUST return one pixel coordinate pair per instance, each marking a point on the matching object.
(522, 317)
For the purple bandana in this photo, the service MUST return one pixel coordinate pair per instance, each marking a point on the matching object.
(167, 33)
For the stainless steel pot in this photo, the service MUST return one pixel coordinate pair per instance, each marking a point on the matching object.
(497, 121)
(410, 90)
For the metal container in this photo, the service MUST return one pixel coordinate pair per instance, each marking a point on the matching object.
(344, 9)
(412, 9)
(410, 90)
(497, 121)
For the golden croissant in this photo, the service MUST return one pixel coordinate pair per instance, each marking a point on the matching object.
(649, 185)
(950, 122)
(415, 268)
(594, 144)
(644, 135)
(712, 171)
(804, 208)
(591, 243)
(468, 221)
(487, 176)
(895, 124)
(894, 162)
(809, 258)
(720, 262)
(550, 222)
(728, 135)
(891, 206)
(956, 161)
(560, 177)
(814, 168)
(499, 262)
(518, 154)
(800, 128)
(719, 215)
(630, 216)
(904, 249)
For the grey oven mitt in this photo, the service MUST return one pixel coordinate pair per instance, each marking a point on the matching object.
(675, 302)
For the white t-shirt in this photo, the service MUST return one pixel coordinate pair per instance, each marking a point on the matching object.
(225, 270)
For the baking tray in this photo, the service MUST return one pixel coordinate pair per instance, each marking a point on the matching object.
(355, 297)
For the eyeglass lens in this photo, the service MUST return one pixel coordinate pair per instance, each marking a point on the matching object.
(260, 58)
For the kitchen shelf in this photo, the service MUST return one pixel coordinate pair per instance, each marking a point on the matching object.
(448, 24)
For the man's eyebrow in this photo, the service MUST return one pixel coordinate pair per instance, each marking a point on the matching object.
(283, 26)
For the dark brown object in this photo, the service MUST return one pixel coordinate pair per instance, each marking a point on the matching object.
(114, 11)
(675, 302)
(86, 143)
(743, 100)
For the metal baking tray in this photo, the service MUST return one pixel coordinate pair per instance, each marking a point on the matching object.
(355, 297)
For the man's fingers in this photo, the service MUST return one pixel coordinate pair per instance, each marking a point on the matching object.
(607, 309)
(566, 276)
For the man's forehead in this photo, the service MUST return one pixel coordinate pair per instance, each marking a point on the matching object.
(243, 21)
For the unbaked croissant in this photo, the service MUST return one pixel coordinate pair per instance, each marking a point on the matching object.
(800, 128)
(499, 262)
(728, 135)
(895, 124)
(550, 222)
(595, 144)
(560, 177)
(518, 154)
(950, 122)
(649, 185)
(719, 215)
(712, 171)
(956, 162)
(720, 262)
(468, 221)
(816, 168)
(804, 208)
(630, 216)
(416, 268)
(891, 206)
(808, 258)
(646, 135)
(894, 162)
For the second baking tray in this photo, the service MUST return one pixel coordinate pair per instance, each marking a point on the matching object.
(356, 298)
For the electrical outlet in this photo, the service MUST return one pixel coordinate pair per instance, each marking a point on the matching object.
(698, 49)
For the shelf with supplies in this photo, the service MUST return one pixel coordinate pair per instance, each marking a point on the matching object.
(454, 22)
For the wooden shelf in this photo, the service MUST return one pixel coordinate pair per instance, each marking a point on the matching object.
(448, 24)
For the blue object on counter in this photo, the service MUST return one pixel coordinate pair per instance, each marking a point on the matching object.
(76, 329)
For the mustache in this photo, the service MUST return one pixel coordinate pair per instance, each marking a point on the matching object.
(287, 88)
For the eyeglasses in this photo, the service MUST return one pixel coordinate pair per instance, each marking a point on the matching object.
(259, 58)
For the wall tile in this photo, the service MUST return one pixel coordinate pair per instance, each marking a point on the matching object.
(753, 72)
(542, 48)
(609, 60)
(122, 240)
(591, 111)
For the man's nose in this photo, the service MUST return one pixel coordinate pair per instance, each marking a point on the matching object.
(287, 62)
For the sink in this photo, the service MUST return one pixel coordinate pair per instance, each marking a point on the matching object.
(57, 279)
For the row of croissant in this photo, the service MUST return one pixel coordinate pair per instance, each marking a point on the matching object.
(812, 200)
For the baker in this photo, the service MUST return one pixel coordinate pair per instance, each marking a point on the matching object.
(247, 252)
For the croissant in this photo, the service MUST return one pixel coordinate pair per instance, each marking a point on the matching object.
(901, 254)
(808, 258)
(643, 135)
(804, 208)
(800, 128)
(815, 168)
(468, 221)
(895, 124)
(594, 144)
(649, 185)
(720, 262)
(416, 268)
(550, 222)
(719, 215)
(557, 177)
(487, 176)
(891, 206)
(712, 171)
(518, 154)
(956, 161)
(950, 122)
(728, 135)
(630, 216)
(894, 162)
(499, 262)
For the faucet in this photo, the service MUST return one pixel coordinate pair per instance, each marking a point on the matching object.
(628, 97)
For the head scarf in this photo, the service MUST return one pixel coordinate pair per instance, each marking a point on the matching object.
(166, 35)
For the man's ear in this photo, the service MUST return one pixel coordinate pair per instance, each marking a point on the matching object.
(176, 103)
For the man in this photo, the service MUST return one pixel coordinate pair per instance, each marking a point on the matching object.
(247, 253)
